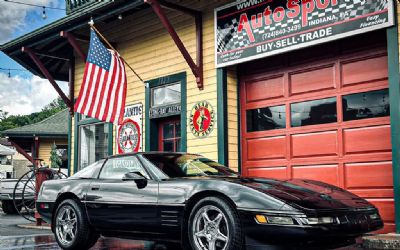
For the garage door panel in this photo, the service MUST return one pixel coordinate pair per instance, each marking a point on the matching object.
(324, 173)
(367, 140)
(387, 227)
(385, 207)
(312, 80)
(315, 144)
(256, 89)
(362, 71)
(337, 126)
(373, 193)
(369, 175)
(272, 172)
(266, 148)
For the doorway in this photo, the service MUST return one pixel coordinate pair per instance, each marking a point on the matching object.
(169, 132)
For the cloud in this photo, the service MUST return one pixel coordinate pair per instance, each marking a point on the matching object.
(13, 16)
(26, 95)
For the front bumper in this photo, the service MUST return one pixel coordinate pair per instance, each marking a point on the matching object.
(348, 225)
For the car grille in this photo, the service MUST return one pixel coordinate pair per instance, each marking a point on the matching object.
(355, 221)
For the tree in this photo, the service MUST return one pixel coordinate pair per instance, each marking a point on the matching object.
(55, 160)
(3, 115)
(13, 121)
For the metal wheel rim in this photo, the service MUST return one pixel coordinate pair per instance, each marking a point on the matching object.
(25, 212)
(28, 191)
(210, 229)
(66, 225)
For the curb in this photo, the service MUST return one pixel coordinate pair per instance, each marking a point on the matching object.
(382, 241)
(33, 226)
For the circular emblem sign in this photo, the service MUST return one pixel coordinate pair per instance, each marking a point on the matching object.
(202, 119)
(128, 137)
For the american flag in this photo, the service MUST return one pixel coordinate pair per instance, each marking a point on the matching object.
(103, 90)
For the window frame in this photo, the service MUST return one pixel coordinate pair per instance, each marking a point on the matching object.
(271, 106)
(80, 121)
(364, 92)
(314, 100)
(288, 111)
(161, 87)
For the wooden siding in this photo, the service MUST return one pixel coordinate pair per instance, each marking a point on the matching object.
(148, 48)
(45, 148)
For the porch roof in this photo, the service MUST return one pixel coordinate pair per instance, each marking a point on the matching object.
(54, 126)
(47, 39)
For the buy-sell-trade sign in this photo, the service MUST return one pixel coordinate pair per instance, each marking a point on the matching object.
(130, 132)
(252, 29)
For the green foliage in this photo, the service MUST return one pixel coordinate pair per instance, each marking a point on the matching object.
(55, 160)
(13, 121)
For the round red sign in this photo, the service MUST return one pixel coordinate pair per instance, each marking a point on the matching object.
(202, 119)
(128, 137)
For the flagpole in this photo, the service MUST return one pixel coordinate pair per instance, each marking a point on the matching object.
(109, 45)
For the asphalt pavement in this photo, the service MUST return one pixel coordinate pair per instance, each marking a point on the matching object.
(14, 237)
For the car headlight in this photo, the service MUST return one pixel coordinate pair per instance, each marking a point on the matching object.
(374, 216)
(277, 220)
(320, 220)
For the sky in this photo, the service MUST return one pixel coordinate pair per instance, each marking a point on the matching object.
(24, 93)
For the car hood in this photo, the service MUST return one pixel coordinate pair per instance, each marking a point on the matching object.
(306, 194)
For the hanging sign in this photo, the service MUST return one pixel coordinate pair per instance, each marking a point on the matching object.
(202, 119)
(165, 111)
(252, 29)
(129, 133)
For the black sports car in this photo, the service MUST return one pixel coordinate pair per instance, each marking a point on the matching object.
(203, 205)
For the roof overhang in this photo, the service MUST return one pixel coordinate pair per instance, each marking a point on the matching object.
(31, 135)
(55, 51)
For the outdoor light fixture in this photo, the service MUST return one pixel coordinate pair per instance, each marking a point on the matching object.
(120, 17)
(9, 73)
(44, 13)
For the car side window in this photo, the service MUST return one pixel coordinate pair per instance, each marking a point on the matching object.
(116, 168)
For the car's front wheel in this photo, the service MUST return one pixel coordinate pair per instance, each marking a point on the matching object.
(71, 226)
(214, 225)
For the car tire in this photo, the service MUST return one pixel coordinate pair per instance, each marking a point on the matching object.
(214, 221)
(9, 208)
(71, 226)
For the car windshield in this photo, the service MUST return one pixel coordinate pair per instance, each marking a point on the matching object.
(89, 172)
(186, 165)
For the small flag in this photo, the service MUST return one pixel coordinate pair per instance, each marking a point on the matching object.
(103, 90)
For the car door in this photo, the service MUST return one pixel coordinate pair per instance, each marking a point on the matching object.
(115, 204)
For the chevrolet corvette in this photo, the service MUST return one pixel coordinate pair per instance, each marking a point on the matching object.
(198, 203)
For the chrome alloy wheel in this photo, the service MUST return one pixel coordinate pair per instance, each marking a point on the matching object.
(210, 228)
(66, 225)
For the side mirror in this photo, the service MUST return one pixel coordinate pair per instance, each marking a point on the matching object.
(137, 177)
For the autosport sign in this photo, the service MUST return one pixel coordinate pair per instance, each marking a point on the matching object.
(252, 29)
(130, 132)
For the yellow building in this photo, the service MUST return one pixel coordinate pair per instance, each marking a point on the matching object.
(271, 91)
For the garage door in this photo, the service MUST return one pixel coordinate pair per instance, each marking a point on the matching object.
(327, 121)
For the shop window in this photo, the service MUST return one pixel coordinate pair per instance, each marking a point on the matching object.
(62, 152)
(166, 95)
(268, 118)
(314, 112)
(94, 143)
(366, 105)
